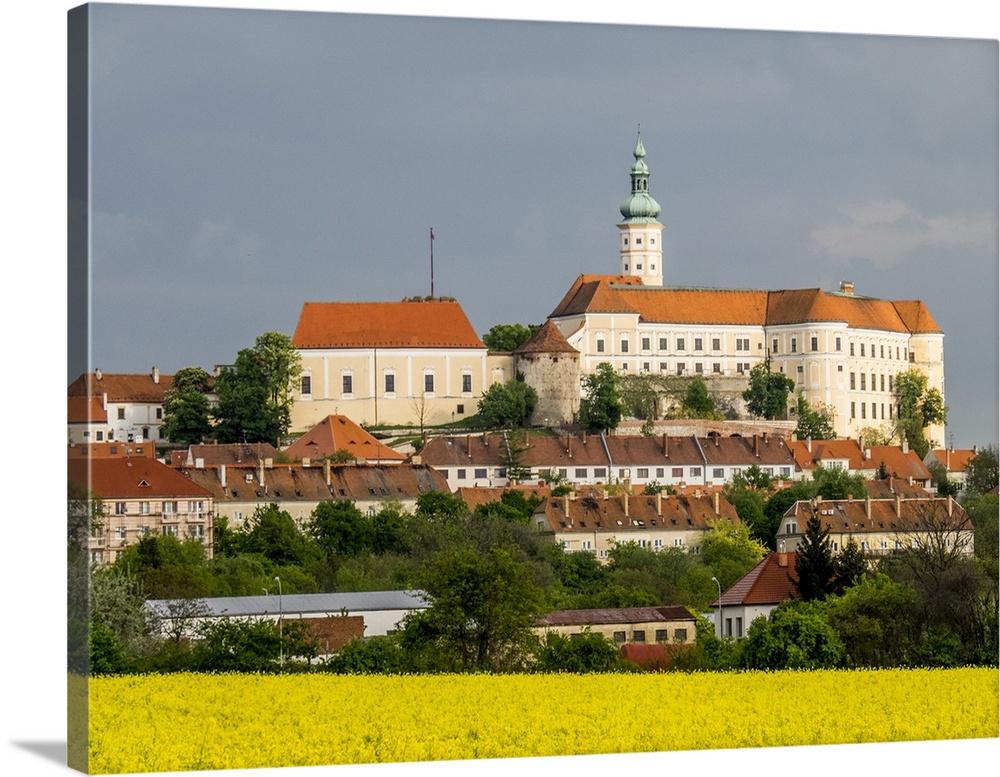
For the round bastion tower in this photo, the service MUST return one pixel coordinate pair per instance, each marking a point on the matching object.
(639, 232)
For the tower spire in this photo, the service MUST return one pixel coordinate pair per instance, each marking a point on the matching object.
(639, 232)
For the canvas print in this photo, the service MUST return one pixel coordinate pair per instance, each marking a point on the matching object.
(445, 389)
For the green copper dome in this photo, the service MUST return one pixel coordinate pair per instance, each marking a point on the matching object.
(639, 207)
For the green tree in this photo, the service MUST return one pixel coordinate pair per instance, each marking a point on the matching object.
(729, 551)
(483, 605)
(796, 635)
(186, 409)
(340, 528)
(982, 471)
(639, 395)
(837, 483)
(255, 394)
(877, 621)
(582, 653)
(767, 392)
(272, 533)
(815, 569)
(601, 408)
(982, 510)
(697, 402)
(851, 566)
(246, 645)
(919, 407)
(508, 337)
(381, 654)
(815, 424)
(507, 405)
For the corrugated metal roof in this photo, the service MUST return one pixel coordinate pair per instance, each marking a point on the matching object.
(360, 601)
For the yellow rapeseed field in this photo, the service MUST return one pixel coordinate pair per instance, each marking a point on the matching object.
(185, 722)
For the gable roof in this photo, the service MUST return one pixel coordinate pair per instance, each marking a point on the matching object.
(592, 513)
(132, 478)
(952, 459)
(740, 307)
(615, 615)
(86, 410)
(436, 324)
(867, 516)
(770, 582)
(213, 455)
(823, 451)
(898, 463)
(122, 387)
(336, 433)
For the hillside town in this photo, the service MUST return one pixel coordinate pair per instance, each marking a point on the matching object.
(661, 473)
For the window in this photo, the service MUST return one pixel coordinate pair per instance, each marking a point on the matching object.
(814, 343)
(739, 627)
(697, 343)
(642, 472)
(619, 637)
(306, 386)
(853, 415)
(716, 344)
(663, 366)
(169, 531)
(663, 343)
(677, 472)
(624, 346)
(718, 473)
(743, 344)
(197, 508)
(169, 508)
(428, 382)
(862, 409)
(100, 435)
(479, 472)
(120, 533)
(698, 368)
(795, 345)
(600, 346)
(121, 508)
(881, 351)
(639, 635)
(836, 343)
(638, 265)
(645, 343)
(390, 383)
(786, 472)
(852, 380)
(460, 409)
(729, 627)
(659, 472)
(882, 382)
(862, 349)
(716, 367)
(863, 376)
(143, 508)
(159, 414)
(680, 343)
(466, 384)
(580, 472)
(851, 346)
(661, 635)
(347, 382)
(645, 366)
(774, 345)
(121, 414)
(600, 472)
(680, 369)
(680, 635)
(638, 242)
(695, 472)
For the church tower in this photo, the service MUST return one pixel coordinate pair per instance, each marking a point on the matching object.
(639, 231)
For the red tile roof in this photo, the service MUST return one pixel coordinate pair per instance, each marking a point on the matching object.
(83, 410)
(747, 307)
(897, 463)
(121, 387)
(437, 324)
(336, 433)
(954, 460)
(132, 478)
(548, 339)
(861, 516)
(638, 513)
(213, 455)
(770, 582)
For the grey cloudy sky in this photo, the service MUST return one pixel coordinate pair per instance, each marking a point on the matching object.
(247, 161)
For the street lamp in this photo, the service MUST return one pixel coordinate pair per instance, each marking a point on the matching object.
(719, 586)
(281, 641)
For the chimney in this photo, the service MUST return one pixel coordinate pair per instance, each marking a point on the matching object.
(715, 502)
(306, 461)
(659, 504)
(222, 475)
(906, 447)
(868, 507)
(569, 445)
(809, 443)
(326, 472)
(156, 374)
(756, 447)
(846, 287)
(98, 374)
(584, 436)
(899, 506)
(486, 440)
(666, 447)
(199, 464)
(260, 474)
(566, 507)
(468, 445)
(625, 502)
(868, 453)
(947, 458)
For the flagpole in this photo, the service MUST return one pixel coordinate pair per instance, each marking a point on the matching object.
(432, 262)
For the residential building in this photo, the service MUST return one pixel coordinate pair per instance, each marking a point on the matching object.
(239, 491)
(755, 595)
(111, 450)
(412, 362)
(841, 349)
(338, 435)
(636, 625)
(117, 407)
(595, 521)
(142, 497)
(954, 462)
(230, 454)
(898, 461)
(882, 526)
